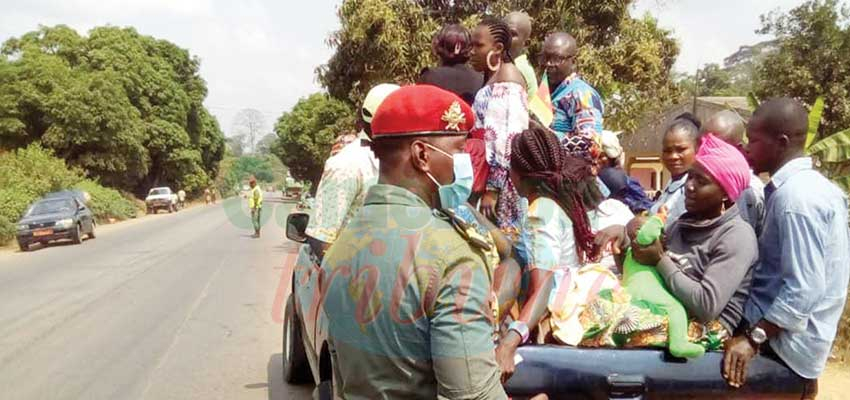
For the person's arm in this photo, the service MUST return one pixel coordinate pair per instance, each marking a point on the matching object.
(544, 257)
(803, 265)
(730, 261)
(461, 338)
(337, 191)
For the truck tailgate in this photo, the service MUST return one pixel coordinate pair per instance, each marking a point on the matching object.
(565, 372)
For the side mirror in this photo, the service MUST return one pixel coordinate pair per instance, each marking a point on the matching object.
(296, 227)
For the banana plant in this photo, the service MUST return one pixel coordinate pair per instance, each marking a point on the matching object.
(833, 157)
(815, 116)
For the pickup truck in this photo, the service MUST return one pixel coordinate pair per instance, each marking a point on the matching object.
(561, 372)
(161, 198)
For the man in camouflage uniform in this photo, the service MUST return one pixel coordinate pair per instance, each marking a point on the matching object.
(409, 290)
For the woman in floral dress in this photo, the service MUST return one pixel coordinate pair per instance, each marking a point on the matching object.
(501, 112)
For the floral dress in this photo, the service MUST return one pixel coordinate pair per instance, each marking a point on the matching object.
(501, 113)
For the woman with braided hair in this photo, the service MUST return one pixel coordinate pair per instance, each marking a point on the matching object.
(566, 208)
(501, 112)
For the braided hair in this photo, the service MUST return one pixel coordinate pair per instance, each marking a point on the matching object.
(538, 158)
(501, 34)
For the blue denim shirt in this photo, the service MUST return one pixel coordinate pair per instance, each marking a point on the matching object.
(801, 281)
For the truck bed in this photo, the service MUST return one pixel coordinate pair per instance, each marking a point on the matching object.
(565, 372)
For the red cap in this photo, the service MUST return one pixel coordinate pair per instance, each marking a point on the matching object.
(422, 110)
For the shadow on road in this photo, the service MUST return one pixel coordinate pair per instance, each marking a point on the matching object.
(278, 390)
(39, 246)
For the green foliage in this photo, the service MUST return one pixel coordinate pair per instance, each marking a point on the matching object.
(107, 203)
(811, 59)
(306, 133)
(815, 116)
(124, 107)
(711, 80)
(835, 148)
(237, 170)
(627, 59)
(753, 100)
(27, 174)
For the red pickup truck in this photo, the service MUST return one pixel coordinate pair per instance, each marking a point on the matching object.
(562, 372)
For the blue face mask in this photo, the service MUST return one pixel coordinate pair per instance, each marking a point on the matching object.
(456, 193)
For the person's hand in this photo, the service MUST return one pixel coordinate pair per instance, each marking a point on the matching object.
(614, 235)
(648, 255)
(736, 360)
(505, 353)
(488, 204)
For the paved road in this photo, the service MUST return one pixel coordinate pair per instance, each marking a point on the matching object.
(172, 306)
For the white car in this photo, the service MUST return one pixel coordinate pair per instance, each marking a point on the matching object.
(161, 198)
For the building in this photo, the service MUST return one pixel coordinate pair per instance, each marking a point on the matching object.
(643, 147)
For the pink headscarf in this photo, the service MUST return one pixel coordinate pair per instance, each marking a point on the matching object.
(725, 164)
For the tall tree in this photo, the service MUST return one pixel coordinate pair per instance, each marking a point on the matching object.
(236, 145)
(250, 124)
(811, 61)
(628, 59)
(125, 107)
(306, 134)
(266, 144)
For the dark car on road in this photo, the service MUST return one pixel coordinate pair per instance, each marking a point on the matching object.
(57, 216)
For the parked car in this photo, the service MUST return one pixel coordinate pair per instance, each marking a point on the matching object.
(562, 372)
(161, 198)
(55, 217)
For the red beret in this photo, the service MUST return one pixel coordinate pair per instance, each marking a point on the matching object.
(422, 110)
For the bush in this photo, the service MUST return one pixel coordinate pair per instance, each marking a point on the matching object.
(107, 203)
(27, 174)
(7, 229)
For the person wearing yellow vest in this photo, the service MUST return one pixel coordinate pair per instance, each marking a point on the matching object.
(255, 203)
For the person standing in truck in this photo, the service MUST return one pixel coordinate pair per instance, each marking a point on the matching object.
(346, 178)
(800, 285)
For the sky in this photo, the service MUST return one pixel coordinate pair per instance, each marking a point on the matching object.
(262, 54)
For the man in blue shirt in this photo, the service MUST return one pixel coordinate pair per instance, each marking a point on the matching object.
(577, 105)
(800, 285)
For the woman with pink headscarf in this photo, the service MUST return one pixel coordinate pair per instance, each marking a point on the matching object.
(707, 257)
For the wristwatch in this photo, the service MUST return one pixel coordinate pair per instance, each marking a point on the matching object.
(757, 336)
(521, 328)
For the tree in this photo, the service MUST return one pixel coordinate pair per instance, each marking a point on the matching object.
(627, 59)
(813, 43)
(306, 134)
(711, 80)
(126, 108)
(236, 145)
(265, 145)
(250, 124)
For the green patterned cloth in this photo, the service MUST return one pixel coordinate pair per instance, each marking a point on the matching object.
(614, 319)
